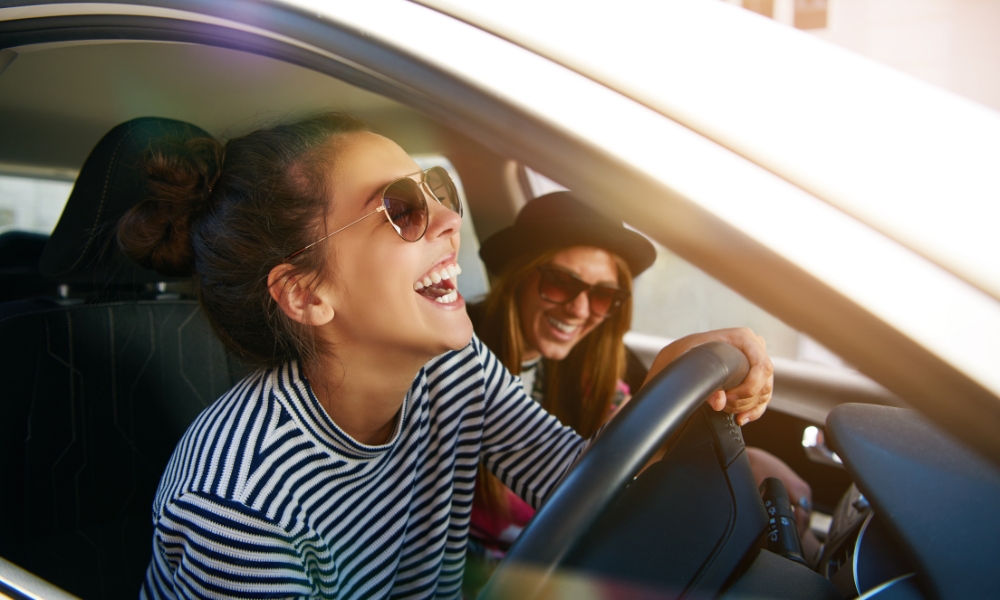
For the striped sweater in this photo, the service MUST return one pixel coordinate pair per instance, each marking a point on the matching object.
(266, 497)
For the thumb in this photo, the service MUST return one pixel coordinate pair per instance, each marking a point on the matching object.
(717, 400)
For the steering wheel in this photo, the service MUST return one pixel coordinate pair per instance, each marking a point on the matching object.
(592, 489)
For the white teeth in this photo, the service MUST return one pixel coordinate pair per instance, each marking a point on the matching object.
(447, 298)
(563, 327)
(450, 272)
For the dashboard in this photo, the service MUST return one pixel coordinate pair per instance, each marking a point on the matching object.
(920, 520)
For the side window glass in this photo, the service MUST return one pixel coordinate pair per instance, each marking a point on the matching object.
(31, 203)
(674, 298)
(473, 282)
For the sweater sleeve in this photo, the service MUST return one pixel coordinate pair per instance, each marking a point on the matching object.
(523, 445)
(207, 547)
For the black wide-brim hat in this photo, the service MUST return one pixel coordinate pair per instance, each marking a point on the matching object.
(556, 221)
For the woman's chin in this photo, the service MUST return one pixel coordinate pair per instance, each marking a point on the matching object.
(459, 332)
(555, 350)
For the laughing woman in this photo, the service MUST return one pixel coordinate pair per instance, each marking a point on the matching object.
(344, 465)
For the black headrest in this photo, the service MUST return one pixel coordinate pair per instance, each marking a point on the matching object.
(83, 248)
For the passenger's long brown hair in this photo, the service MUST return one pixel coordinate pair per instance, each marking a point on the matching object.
(578, 389)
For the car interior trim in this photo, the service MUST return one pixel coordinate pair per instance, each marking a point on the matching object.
(6, 58)
(57, 9)
(20, 584)
(875, 591)
(857, 549)
(892, 454)
(84, 28)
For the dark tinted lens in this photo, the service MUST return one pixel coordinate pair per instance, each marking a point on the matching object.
(604, 299)
(406, 209)
(559, 287)
(443, 188)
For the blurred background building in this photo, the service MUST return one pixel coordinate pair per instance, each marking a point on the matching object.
(954, 44)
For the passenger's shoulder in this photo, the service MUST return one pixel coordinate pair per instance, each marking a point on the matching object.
(230, 404)
(235, 515)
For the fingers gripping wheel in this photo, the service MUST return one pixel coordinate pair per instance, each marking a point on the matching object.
(661, 408)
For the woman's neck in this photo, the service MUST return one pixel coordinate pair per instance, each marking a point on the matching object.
(530, 354)
(362, 390)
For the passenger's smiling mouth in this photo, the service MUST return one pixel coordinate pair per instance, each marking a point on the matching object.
(562, 326)
(439, 283)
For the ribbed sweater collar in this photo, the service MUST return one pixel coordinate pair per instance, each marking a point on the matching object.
(290, 387)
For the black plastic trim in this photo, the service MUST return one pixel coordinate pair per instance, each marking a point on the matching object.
(122, 27)
(934, 494)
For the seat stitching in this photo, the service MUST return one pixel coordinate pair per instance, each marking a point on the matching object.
(104, 195)
(49, 309)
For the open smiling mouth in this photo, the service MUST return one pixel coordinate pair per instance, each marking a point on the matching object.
(439, 284)
(565, 328)
(561, 327)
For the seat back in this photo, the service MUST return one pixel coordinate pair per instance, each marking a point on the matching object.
(20, 276)
(96, 398)
(98, 391)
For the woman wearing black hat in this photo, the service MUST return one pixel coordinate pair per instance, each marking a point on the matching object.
(558, 310)
(557, 248)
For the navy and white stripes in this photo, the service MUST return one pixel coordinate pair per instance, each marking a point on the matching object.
(266, 497)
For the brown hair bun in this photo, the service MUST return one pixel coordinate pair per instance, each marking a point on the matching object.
(156, 232)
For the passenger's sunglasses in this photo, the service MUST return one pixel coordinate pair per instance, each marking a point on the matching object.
(559, 287)
(404, 203)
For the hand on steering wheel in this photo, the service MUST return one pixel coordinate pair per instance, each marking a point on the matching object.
(749, 399)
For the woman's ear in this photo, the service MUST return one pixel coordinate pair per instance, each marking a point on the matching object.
(296, 299)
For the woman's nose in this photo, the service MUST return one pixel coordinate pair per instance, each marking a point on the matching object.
(579, 306)
(442, 220)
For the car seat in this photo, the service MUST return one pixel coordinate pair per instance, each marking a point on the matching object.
(20, 276)
(99, 386)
